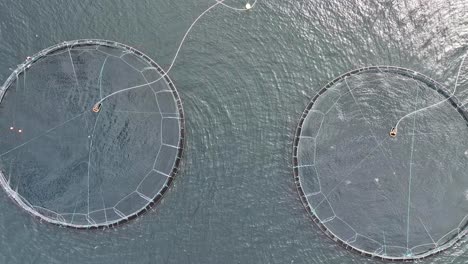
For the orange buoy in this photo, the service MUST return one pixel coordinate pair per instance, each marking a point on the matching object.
(97, 107)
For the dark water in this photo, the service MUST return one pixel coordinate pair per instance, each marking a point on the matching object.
(244, 79)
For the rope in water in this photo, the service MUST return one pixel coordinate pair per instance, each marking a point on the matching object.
(394, 130)
(97, 106)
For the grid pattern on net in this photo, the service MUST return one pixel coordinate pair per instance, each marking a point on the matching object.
(91, 46)
(317, 199)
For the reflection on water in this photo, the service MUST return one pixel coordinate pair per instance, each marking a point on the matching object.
(244, 79)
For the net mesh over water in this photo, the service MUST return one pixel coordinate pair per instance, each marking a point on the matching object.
(397, 198)
(71, 166)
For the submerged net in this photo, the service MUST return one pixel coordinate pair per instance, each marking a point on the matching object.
(72, 166)
(396, 198)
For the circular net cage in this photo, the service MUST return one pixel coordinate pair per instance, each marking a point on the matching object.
(91, 134)
(397, 198)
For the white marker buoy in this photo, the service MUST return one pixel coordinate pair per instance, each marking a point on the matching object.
(11, 128)
(248, 6)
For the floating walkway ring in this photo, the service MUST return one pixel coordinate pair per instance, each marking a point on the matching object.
(71, 158)
(331, 165)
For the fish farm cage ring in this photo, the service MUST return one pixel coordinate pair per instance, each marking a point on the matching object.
(92, 134)
(397, 198)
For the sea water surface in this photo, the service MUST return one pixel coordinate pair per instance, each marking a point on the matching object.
(244, 79)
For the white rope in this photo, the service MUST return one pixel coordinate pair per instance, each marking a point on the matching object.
(438, 103)
(218, 2)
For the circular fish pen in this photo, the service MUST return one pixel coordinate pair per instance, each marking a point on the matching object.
(92, 134)
(390, 194)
